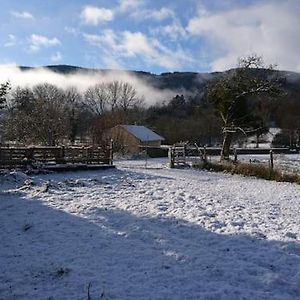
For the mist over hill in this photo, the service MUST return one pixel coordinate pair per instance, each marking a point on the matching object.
(179, 82)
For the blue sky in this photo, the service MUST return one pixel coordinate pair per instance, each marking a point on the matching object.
(156, 36)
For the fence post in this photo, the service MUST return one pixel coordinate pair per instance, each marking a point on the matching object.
(29, 155)
(111, 152)
(63, 155)
(235, 155)
(171, 157)
(11, 156)
(90, 154)
(204, 154)
(271, 160)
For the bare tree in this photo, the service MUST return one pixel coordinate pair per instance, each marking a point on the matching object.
(50, 114)
(18, 124)
(114, 93)
(96, 99)
(128, 97)
(232, 94)
(111, 104)
(73, 102)
(4, 88)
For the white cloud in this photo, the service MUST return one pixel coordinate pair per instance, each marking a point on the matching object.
(158, 15)
(137, 10)
(38, 41)
(108, 42)
(12, 41)
(57, 57)
(93, 15)
(22, 15)
(161, 14)
(270, 29)
(173, 30)
(107, 38)
(137, 45)
(129, 5)
(72, 30)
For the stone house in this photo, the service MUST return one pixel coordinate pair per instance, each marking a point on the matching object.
(130, 138)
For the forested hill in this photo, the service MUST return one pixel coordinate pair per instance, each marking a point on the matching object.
(188, 81)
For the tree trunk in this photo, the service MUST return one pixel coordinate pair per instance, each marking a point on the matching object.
(226, 145)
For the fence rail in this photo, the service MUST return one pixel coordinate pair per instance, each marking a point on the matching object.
(24, 156)
(179, 155)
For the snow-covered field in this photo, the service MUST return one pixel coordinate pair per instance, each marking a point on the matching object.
(156, 233)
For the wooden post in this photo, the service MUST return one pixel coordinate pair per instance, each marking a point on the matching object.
(29, 155)
(72, 154)
(63, 154)
(271, 160)
(146, 155)
(11, 156)
(90, 155)
(235, 154)
(171, 157)
(111, 152)
(98, 152)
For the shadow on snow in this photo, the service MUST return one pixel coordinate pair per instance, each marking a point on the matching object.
(123, 256)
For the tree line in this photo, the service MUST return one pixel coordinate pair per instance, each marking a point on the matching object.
(242, 102)
(48, 115)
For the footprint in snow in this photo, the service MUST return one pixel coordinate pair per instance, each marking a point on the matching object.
(218, 225)
(238, 223)
(162, 208)
(209, 214)
(291, 235)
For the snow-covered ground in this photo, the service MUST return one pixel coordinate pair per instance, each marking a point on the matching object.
(155, 233)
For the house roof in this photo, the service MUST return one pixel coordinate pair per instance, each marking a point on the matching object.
(143, 133)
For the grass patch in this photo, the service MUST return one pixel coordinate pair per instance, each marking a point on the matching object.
(247, 169)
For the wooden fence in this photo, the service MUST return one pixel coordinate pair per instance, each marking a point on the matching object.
(180, 154)
(23, 156)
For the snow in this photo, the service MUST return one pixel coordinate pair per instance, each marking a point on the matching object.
(148, 233)
(143, 133)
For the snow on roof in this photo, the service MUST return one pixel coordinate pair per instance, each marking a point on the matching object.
(143, 133)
